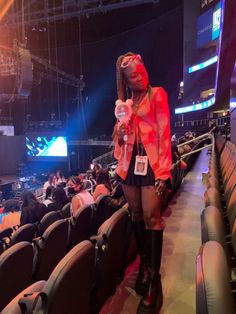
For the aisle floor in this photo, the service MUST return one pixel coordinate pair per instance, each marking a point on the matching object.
(181, 244)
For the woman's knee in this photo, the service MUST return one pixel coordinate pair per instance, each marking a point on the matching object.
(152, 221)
(136, 215)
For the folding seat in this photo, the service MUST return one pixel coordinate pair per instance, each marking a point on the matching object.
(220, 143)
(15, 271)
(46, 221)
(111, 243)
(50, 249)
(23, 233)
(67, 290)
(102, 211)
(5, 233)
(213, 290)
(80, 225)
(66, 211)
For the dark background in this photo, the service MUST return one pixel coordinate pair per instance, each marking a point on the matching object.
(90, 46)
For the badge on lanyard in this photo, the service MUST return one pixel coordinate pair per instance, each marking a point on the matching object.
(141, 165)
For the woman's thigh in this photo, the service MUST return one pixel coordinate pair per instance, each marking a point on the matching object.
(133, 197)
(151, 204)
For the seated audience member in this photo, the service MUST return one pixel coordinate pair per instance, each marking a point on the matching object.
(103, 185)
(31, 210)
(52, 181)
(48, 195)
(81, 196)
(96, 168)
(59, 199)
(61, 180)
(12, 208)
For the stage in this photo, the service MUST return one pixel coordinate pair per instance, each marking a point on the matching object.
(8, 179)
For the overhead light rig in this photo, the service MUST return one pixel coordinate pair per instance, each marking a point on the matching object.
(38, 11)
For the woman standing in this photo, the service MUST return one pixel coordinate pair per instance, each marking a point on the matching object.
(144, 162)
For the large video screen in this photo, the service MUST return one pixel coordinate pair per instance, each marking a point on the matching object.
(208, 26)
(46, 147)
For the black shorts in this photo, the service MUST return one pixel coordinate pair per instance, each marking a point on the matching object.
(138, 180)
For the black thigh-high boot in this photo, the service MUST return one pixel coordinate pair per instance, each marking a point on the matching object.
(141, 284)
(151, 302)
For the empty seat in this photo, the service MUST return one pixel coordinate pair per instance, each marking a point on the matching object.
(24, 233)
(68, 288)
(15, 271)
(46, 221)
(66, 211)
(80, 225)
(5, 233)
(50, 249)
(213, 291)
(102, 212)
(111, 243)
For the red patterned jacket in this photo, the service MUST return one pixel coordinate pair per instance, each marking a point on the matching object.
(153, 124)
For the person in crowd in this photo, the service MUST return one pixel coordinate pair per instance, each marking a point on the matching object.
(12, 217)
(96, 168)
(52, 181)
(176, 156)
(31, 210)
(213, 127)
(81, 196)
(48, 195)
(61, 180)
(103, 185)
(143, 151)
(59, 199)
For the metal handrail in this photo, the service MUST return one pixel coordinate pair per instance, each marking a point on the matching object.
(203, 136)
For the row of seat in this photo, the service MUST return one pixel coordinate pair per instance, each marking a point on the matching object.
(83, 279)
(216, 260)
(113, 241)
(81, 226)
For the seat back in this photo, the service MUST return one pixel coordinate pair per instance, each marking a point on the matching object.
(102, 212)
(24, 233)
(50, 249)
(5, 233)
(15, 271)
(212, 227)
(66, 211)
(213, 292)
(110, 241)
(80, 226)
(46, 221)
(69, 286)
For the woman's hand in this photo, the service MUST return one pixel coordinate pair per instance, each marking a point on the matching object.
(160, 186)
(123, 129)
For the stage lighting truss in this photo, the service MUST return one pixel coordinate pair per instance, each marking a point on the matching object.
(16, 70)
(38, 11)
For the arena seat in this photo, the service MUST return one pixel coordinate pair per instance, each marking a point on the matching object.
(80, 225)
(46, 221)
(102, 211)
(50, 249)
(15, 271)
(5, 233)
(213, 291)
(23, 233)
(66, 291)
(65, 212)
(111, 243)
